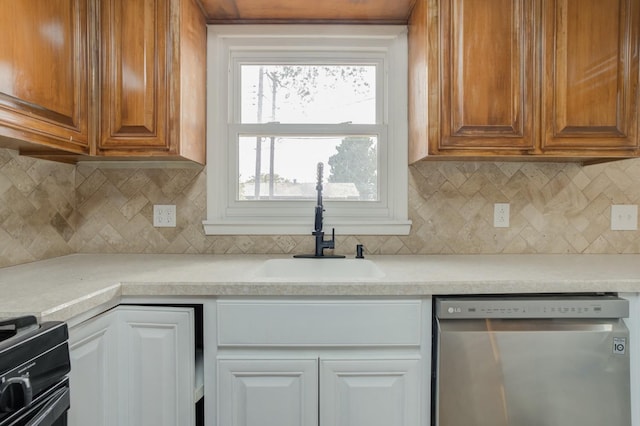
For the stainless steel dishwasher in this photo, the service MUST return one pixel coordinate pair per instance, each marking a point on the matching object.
(531, 361)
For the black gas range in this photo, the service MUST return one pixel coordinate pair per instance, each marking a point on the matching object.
(34, 364)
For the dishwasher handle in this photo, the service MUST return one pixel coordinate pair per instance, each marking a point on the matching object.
(533, 325)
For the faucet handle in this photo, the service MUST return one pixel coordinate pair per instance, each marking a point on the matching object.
(359, 251)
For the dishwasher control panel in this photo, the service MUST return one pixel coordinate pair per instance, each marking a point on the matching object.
(532, 307)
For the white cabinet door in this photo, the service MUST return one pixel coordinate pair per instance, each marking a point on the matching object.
(157, 366)
(133, 366)
(268, 392)
(370, 392)
(93, 378)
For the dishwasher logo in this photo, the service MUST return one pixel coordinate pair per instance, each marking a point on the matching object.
(619, 345)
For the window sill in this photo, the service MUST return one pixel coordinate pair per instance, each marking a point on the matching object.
(248, 227)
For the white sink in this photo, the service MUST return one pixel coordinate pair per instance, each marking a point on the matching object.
(319, 269)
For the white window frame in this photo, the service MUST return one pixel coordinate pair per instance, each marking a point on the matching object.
(388, 215)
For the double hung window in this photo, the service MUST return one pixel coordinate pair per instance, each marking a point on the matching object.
(281, 100)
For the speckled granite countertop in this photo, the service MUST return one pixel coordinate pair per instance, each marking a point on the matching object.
(61, 288)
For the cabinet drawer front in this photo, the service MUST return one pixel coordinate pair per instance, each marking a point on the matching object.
(319, 323)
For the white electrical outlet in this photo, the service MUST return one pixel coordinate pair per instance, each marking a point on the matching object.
(624, 217)
(501, 215)
(164, 215)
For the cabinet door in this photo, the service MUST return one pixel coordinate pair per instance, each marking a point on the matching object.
(153, 78)
(134, 41)
(487, 76)
(133, 365)
(44, 73)
(370, 392)
(157, 366)
(93, 348)
(268, 392)
(590, 75)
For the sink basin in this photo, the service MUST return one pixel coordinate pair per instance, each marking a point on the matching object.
(319, 269)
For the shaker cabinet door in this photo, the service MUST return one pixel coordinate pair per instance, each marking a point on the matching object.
(590, 74)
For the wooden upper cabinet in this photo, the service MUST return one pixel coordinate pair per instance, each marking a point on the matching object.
(44, 97)
(486, 64)
(524, 78)
(590, 78)
(152, 79)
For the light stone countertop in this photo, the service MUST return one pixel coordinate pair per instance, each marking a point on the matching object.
(61, 288)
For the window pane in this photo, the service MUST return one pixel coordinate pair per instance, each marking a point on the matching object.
(287, 167)
(308, 94)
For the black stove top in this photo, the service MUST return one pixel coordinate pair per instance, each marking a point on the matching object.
(17, 326)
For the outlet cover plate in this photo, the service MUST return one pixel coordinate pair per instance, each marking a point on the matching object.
(624, 217)
(164, 215)
(501, 215)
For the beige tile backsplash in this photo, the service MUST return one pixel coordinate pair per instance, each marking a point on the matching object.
(49, 209)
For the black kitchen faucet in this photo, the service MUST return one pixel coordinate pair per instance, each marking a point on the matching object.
(321, 243)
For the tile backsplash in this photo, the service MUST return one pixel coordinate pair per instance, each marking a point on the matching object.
(49, 209)
(37, 208)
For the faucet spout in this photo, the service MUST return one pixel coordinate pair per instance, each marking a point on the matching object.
(319, 205)
(321, 243)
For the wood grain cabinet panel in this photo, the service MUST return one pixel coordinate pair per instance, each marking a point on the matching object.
(487, 63)
(590, 51)
(116, 79)
(152, 79)
(133, 53)
(525, 79)
(44, 74)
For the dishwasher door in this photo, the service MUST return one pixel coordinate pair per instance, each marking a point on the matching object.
(531, 372)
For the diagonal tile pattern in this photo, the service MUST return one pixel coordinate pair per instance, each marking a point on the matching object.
(37, 208)
(49, 209)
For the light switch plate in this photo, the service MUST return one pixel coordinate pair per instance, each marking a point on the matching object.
(624, 217)
(164, 215)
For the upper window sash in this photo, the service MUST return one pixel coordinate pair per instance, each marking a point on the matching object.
(240, 58)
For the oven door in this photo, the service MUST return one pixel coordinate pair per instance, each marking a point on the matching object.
(47, 409)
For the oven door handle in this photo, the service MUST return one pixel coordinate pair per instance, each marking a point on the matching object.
(58, 404)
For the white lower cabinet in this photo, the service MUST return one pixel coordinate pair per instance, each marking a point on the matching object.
(133, 366)
(268, 392)
(93, 376)
(370, 392)
(311, 362)
(286, 392)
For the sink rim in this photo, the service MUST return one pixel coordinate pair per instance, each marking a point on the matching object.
(318, 269)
